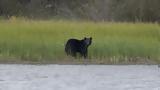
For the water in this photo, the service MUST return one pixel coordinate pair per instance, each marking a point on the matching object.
(79, 77)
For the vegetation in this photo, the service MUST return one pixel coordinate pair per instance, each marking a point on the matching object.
(122, 30)
(44, 40)
(97, 10)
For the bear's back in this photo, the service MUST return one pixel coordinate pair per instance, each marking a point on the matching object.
(74, 42)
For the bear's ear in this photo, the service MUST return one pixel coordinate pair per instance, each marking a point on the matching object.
(85, 38)
(91, 38)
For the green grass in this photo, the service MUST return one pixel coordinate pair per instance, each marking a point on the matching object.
(45, 40)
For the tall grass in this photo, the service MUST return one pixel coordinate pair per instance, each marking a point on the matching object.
(45, 40)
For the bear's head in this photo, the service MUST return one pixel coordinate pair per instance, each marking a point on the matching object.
(87, 41)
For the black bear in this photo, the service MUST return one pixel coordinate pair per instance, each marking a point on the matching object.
(74, 46)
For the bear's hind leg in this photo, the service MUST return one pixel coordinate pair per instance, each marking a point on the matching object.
(74, 54)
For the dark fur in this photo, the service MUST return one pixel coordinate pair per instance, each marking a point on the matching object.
(74, 46)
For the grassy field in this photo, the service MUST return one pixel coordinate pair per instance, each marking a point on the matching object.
(43, 41)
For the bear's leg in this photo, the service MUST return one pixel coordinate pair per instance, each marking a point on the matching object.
(84, 53)
(67, 50)
(73, 54)
(81, 54)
